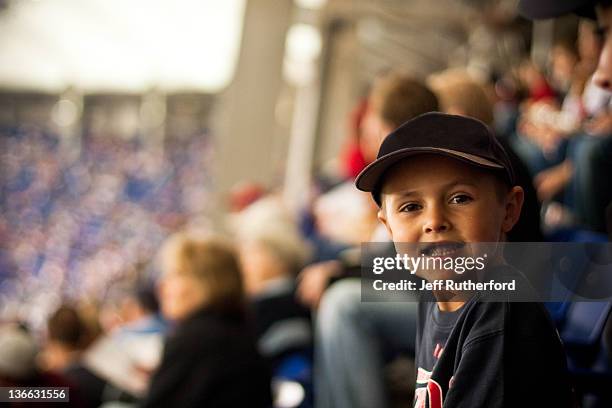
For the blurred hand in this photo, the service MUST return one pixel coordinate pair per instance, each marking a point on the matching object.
(314, 279)
(549, 141)
(545, 137)
(551, 181)
(600, 125)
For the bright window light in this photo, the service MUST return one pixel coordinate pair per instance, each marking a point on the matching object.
(128, 45)
(311, 4)
(302, 48)
(303, 42)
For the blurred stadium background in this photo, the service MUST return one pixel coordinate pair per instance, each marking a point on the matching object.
(123, 121)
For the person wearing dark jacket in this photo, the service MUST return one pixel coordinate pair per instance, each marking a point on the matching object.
(67, 341)
(210, 359)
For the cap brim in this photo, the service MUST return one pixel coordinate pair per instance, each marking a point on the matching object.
(369, 177)
(542, 9)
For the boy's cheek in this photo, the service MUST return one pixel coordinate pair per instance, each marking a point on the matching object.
(401, 233)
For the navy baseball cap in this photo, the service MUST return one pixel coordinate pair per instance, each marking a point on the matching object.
(541, 9)
(461, 137)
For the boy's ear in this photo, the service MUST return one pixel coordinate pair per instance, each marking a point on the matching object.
(513, 205)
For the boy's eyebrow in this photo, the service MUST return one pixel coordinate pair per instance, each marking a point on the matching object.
(451, 184)
(458, 182)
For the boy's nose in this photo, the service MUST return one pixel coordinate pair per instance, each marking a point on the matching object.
(435, 222)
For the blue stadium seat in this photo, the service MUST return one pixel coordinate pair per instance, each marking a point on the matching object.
(296, 368)
(587, 361)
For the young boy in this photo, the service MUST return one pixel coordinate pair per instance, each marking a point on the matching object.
(443, 183)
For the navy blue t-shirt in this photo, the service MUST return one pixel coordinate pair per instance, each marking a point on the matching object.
(490, 354)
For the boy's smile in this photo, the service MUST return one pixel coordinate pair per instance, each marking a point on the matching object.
(441, 248)
(445, 203)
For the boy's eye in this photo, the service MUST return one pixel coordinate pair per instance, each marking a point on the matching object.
(460, 199)
(410, 207)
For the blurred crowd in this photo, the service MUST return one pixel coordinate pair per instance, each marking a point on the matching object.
(278, 298)
(562, 134)
(72, 226)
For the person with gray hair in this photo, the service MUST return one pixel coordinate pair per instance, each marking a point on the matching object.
(18, 352)
(19, 368)
(272, 251)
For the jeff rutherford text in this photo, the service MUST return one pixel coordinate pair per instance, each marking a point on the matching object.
(447, 284)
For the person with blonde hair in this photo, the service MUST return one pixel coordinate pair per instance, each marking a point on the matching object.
(210, 359)
(460, 94)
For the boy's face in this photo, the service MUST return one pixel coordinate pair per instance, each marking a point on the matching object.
(436, 199)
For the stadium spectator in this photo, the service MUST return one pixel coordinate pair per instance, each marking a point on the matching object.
(18, 367)
(67, 339)
(272, 251)
(210, 359)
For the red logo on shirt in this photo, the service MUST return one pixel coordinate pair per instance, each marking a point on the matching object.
(438, 351)
(427, 389)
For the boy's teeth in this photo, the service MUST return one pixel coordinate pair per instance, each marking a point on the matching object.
(441, 251)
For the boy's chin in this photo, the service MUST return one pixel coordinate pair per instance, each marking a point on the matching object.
(434, 275)
(444, 274)
(456, 250)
